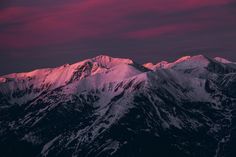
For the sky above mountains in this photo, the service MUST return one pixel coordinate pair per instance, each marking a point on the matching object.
(36, 34)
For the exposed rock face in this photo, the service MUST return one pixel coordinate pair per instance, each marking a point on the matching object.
(108, 106)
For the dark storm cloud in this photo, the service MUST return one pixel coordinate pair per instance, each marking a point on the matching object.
(55, 32)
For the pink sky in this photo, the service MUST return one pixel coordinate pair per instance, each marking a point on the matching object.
(79, 27)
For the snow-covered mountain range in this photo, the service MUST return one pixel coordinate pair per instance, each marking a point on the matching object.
(108, 106)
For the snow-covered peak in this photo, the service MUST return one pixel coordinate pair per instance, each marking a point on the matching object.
(94, 65)
(222, 60)
(197, 58)
(191, 62)
(98, 71)
(52, 78)
(188, 64)
(116, 74)
(185, 62)
(108, 62)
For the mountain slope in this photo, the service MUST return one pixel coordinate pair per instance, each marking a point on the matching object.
(23, 87)
(114, 107)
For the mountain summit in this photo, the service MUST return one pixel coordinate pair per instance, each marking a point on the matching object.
(107, 106)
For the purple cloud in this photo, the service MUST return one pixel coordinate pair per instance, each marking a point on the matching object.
(26, 27)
